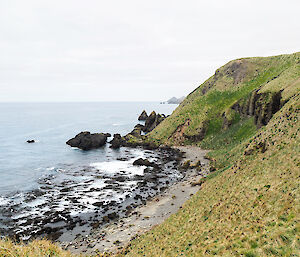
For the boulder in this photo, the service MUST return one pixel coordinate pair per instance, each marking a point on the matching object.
(86, 140)
(145, 162)
(143, 115)
(30, 141)
(116, 142)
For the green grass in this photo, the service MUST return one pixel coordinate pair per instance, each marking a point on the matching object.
(248, 208)
(268, 74)
(250, 205)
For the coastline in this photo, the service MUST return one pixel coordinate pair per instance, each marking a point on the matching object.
(116, 235)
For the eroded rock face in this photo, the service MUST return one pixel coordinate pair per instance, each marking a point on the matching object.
(143, 115)
(87, 141)
(260, 105)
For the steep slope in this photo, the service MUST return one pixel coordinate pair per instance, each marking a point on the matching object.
(250, 209)
(248, 115)
(243, 88)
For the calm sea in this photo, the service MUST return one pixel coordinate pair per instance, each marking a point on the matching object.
(51, 125)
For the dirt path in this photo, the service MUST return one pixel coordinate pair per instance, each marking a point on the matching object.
(118, 234)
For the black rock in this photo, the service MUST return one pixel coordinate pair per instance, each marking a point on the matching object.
(30, 141)
(86, 140)
(113, 215)
(116, 142)
(145, 162)
(152, 121)
(143, 115)
(137, 130)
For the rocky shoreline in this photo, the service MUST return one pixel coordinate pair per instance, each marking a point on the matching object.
(87, 141)
(72, 201)
(77, 206)
(114, 236)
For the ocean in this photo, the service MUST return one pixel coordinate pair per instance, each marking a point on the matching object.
(48, 184)
(51, 125)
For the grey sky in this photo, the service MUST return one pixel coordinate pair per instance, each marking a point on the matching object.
(94, 50)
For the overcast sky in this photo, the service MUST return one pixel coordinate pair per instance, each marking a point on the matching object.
(134, 50)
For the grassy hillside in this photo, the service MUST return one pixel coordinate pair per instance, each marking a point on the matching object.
(250, 209)
(202, 110)
(247, 113)
(250, 205)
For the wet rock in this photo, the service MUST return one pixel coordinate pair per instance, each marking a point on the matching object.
(145, 162)
(121, 178)
(113, 215)
(143, 115)
(98, 204)
(117, 141)
(150, 178)
(86, 140)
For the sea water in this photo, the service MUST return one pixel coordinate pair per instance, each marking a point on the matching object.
(22, 164)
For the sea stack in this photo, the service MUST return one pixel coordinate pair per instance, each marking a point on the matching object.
(143, 115)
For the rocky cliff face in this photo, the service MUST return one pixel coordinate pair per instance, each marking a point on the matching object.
(248, 88)
(262, 106)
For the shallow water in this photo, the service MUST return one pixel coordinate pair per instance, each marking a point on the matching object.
(51, 125)
(48, 184)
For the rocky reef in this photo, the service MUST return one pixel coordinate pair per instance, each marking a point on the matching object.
(136, 137)
(87, 141)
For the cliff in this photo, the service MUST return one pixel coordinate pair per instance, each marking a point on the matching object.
(247, 113)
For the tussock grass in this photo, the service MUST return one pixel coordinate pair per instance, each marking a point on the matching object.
(250, 206)
(232, 82)
(37, 248)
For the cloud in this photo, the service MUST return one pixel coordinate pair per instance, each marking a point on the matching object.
(92, 50)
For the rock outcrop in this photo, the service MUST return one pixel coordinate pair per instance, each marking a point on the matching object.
(137, 130)
(86, 140)
(260, 105)
(117, 141)
(152, 121)
(143, 115)
(135, 137)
